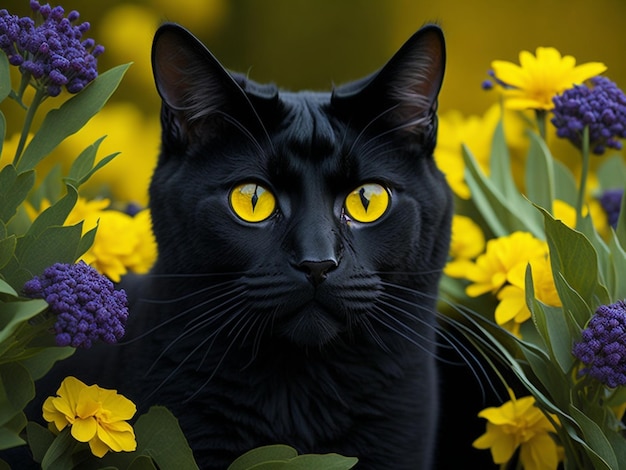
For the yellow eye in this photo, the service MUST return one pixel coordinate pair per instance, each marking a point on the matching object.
(252, 202)
(367, 203)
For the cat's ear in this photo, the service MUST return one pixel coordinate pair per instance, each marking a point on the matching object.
(403, 93)
(192, 83)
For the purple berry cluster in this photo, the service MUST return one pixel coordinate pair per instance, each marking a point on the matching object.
(603, 346)
(611, 202)
(86, 304)
(601, 107)
(52, 52)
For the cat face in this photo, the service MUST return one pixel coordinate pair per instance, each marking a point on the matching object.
(323, 212)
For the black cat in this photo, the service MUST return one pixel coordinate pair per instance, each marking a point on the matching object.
(301, 241)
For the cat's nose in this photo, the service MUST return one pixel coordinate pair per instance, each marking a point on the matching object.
(317, 271)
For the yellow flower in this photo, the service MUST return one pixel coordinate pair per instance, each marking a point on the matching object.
(503, 256)
(533, 83)
(145, 252)
(476, 132)
(467, 242)
(96, 415)
(512, 310)
(520, 424)
(123, 243)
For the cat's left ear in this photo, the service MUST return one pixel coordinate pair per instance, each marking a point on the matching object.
(403, 94)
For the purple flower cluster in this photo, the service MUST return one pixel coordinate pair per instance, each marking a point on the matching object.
(611, 202)
(53, 52)
(601, 107)
(603, 346)
(86, 304)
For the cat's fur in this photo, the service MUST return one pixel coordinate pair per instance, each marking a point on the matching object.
(307, 329)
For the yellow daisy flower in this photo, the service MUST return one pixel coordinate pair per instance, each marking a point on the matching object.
(502, 257)
(512, 310)
(467, 242)
(96, 415)
(520, 424)
(538, 78)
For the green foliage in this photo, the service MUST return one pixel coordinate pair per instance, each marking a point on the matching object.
(588, 271)
(27, 349)
(282, 457)
(70, 117)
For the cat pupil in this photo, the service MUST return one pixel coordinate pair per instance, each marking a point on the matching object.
(364, 200)
(255, 198)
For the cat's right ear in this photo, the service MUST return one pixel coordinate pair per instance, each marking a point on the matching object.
(192, 83)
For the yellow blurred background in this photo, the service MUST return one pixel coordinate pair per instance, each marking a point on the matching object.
(313, 44)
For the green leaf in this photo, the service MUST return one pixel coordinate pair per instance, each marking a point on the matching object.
(573, 256)
(13, 314)
(500, 164)
(85, 242)
(54, 245)
(39, 361)
(612, 173)
(39, 440)
(142, 462)
(83, 167)
(321, 462)
(621, 223)
(618, 265)
(13, 190)
(5, 77)
(59, 454)
(618, 443)
(70, 117)
(565, 186)
(7, 248)
(159, 436)
(6, 289)
(599, 450)
(16, 390)
(3, 131)
(263, 454)
(503, 216)
(539, 173)
(11, 430)
(54, 215)
(51, 188)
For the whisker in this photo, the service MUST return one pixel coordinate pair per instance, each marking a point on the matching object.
(205, 322)
(217, 366)
(185, 312)
(456, 344)
(187, 296)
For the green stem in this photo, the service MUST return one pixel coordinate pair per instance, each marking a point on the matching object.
(541, 116)
(583, 176)
(40, 95)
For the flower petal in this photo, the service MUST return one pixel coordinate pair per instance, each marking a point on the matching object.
(52, 415)
(98, 448)
(119, 437)
(84, 430)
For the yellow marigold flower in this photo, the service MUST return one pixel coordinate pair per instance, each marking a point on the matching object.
(503, 255)
(512, 310)
(146, 250)
(538, 78)
(476, 132)
(520, 424)
(114, 247)
(467, 242)
(96, 415)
